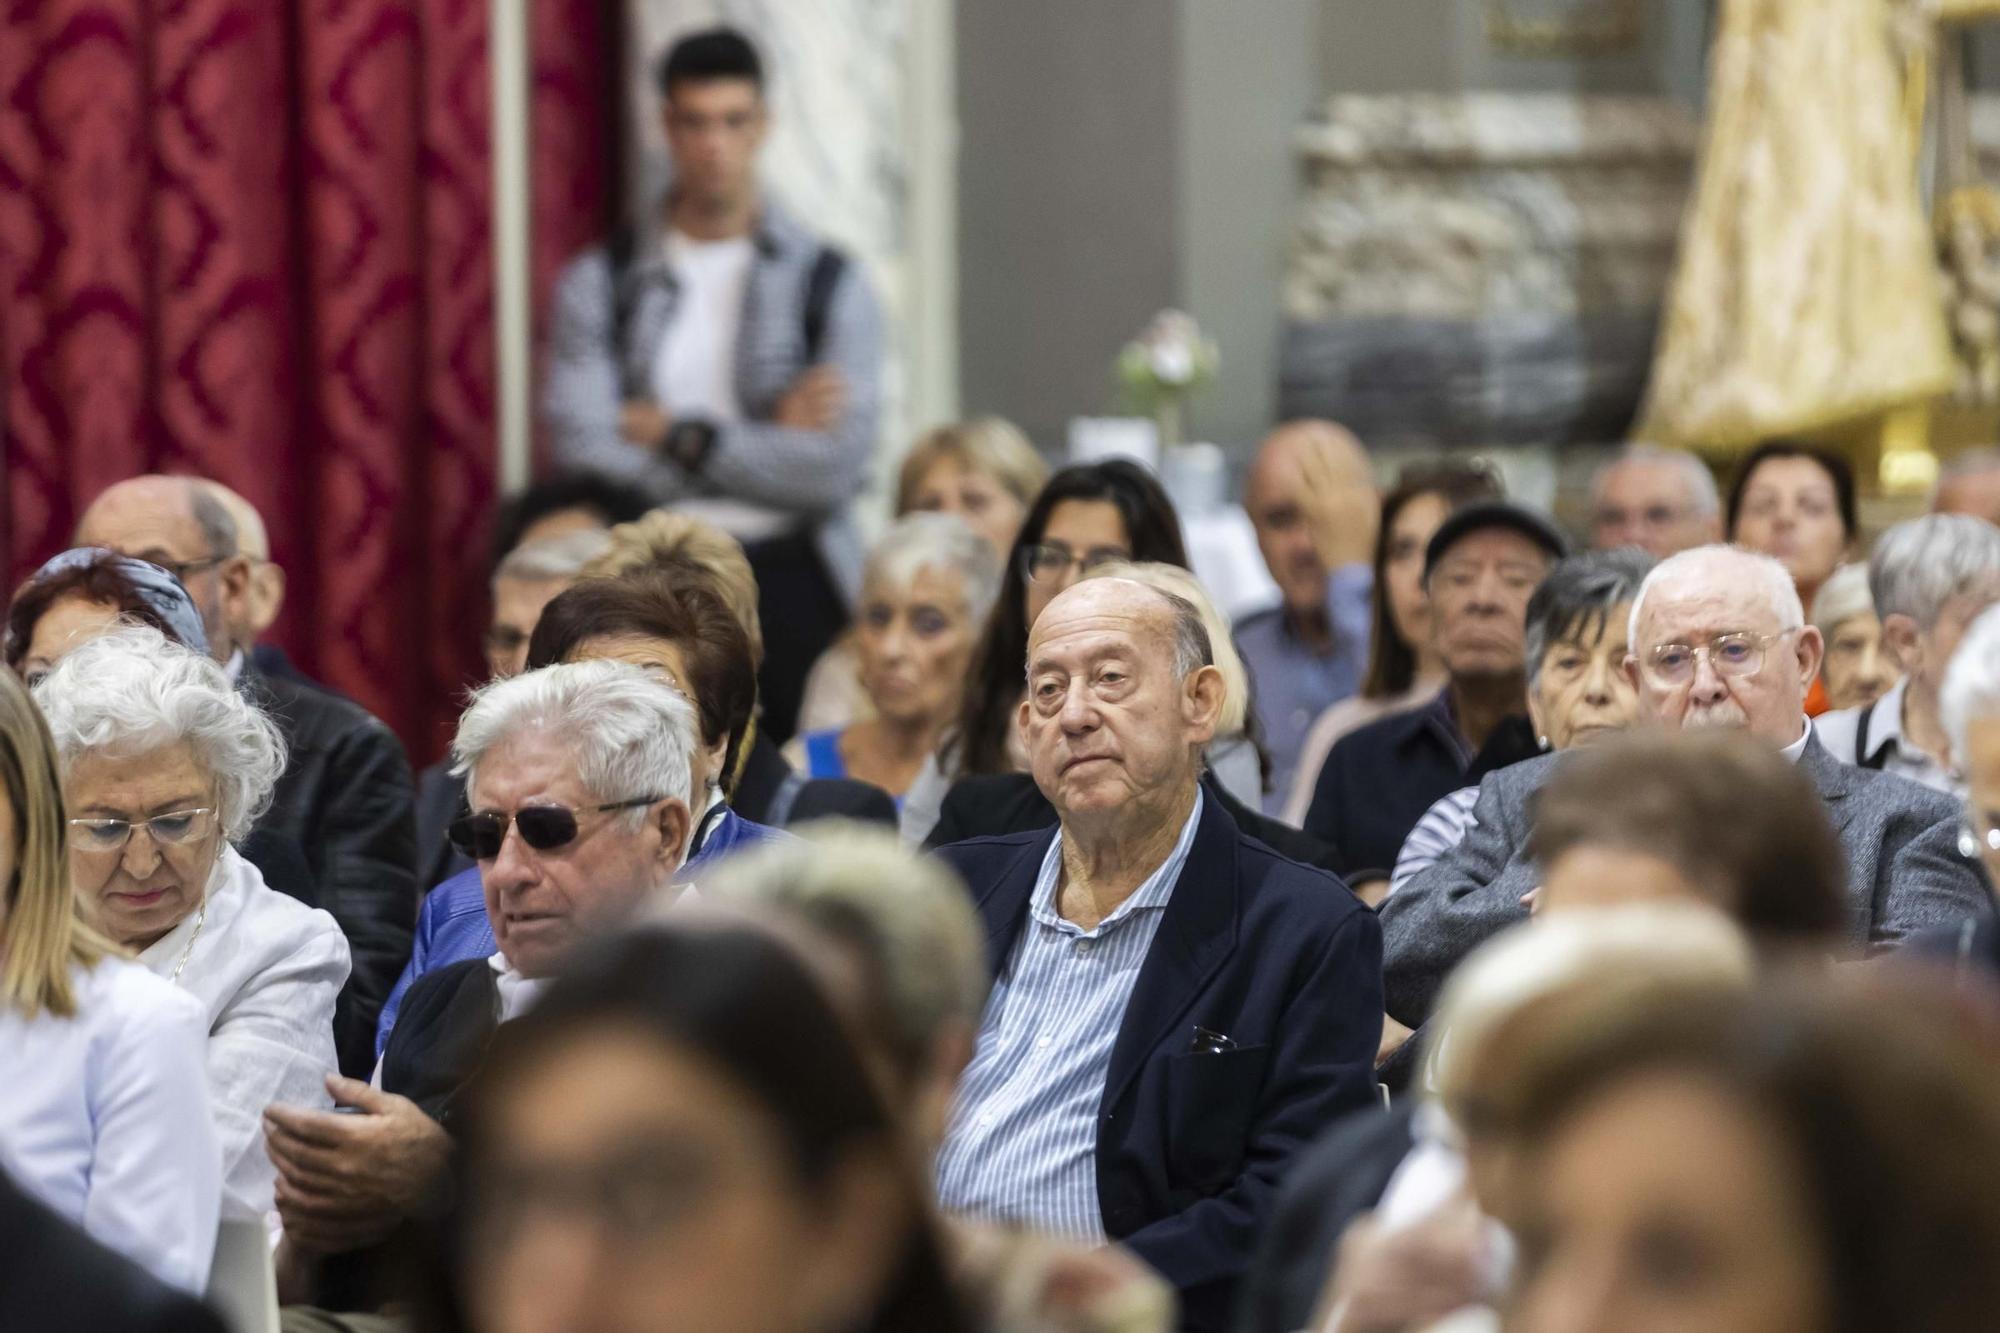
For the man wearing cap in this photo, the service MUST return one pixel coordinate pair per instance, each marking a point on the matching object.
(1718, 639)
(1479, 572)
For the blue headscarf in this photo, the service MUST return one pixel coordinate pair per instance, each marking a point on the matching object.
(161, 592)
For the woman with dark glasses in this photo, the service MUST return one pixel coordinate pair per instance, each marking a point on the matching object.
(165, 767)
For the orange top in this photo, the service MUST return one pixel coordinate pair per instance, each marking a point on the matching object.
(1816, 700)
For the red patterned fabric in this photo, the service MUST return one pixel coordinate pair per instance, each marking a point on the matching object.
(251, 240)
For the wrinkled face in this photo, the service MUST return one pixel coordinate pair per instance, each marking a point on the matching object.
(1857, 670)
(1791, 510)
(1647, 503)
(1582, 693)
(517, 605)
(152, 519)
(1403, 569)
(1106, 721)
(1479, 597)
(541, 902)
(1981, 766)
(1768, 702)
(1666, 1205)
(664, 660)
(987, 507)
(1936, 645)
(1589, 875)
(915, 645)
(68, 622)
(143, 890)
(629, 1187)
(714, 129)
(1083, 532)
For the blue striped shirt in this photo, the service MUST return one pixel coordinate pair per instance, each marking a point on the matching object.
(1022, 1144)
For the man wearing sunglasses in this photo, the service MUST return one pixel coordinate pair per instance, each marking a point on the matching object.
(1718, 639)
(579, 778)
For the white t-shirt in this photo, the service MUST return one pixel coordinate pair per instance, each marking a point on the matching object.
(695, 372)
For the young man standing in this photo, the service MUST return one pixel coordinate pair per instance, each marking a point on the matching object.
(725, 358)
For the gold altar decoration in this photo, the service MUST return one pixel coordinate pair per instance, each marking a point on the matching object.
(1807, 290)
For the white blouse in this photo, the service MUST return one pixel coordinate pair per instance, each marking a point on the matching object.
(267, 969)
(104, 1117)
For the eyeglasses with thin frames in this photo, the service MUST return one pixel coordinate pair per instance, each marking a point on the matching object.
(167, 830)
(1672, 665)
(1045, 563)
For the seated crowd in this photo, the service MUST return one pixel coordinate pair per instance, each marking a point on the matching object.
(1441, 942)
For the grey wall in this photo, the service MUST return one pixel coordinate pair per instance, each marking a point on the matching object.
(1067, 227)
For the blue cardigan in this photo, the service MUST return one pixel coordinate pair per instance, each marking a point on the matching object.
(452, 926)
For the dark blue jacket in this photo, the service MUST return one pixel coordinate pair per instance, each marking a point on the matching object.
(1272, 955)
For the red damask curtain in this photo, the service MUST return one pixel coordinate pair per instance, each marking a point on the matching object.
(250, 239)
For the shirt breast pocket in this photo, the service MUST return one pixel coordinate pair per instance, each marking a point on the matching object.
(1212, 1098)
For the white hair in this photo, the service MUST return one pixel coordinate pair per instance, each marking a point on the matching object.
(1972, 682)
(1745, 573)
(941, 543)
(1921, 564)
(1843, 596)
(135, 691)
(554, 557)
(1622, 950)
(908, 912)
(629, 733)
(1971, 463)
(1702, 494)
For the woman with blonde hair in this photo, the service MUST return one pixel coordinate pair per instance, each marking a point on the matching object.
(106, 1115)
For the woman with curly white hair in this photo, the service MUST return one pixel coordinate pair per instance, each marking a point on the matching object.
(164, 767)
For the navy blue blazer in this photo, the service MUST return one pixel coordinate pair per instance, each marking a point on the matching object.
(1191, 1144)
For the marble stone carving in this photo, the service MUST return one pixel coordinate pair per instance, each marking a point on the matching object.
(1482, 268)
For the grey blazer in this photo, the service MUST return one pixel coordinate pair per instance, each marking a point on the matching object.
(1901, 840)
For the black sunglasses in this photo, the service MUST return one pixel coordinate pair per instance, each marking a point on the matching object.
(543, 827)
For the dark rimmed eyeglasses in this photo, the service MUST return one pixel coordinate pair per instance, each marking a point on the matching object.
(542, 827)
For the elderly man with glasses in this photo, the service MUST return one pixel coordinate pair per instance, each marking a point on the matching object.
(580, 783)
(1718, 639)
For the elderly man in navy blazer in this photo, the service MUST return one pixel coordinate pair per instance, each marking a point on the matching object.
(1177, 1007)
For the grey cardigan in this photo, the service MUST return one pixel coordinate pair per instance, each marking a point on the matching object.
(815, 475)
(1904, 872)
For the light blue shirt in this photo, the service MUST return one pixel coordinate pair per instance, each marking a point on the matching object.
(1022, 1144)
(1295, 684)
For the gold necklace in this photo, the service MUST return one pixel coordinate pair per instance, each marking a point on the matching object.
(200, 920)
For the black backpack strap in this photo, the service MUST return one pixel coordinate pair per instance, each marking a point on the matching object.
(1862, 759)
(619, 251)
(821, 280)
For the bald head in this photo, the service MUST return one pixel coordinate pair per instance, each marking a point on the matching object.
(1308, 475)
(1120, 701)
(1719, 640)
(267, 581)
(178, 523)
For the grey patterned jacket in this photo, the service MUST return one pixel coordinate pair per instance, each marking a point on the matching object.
(1904, 872)
(813, 474)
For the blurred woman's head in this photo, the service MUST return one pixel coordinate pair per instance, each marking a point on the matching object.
(984, 470)
(43, 932)
(1087, 515)
(681, 632)
(680, 1136)
(1575, 645)
(1809, 1157)
(688, 551)
(1856, 669)
(928, 587)
(1795, 502)
(1970, 707)
(1714, 817)
(1424, 496)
